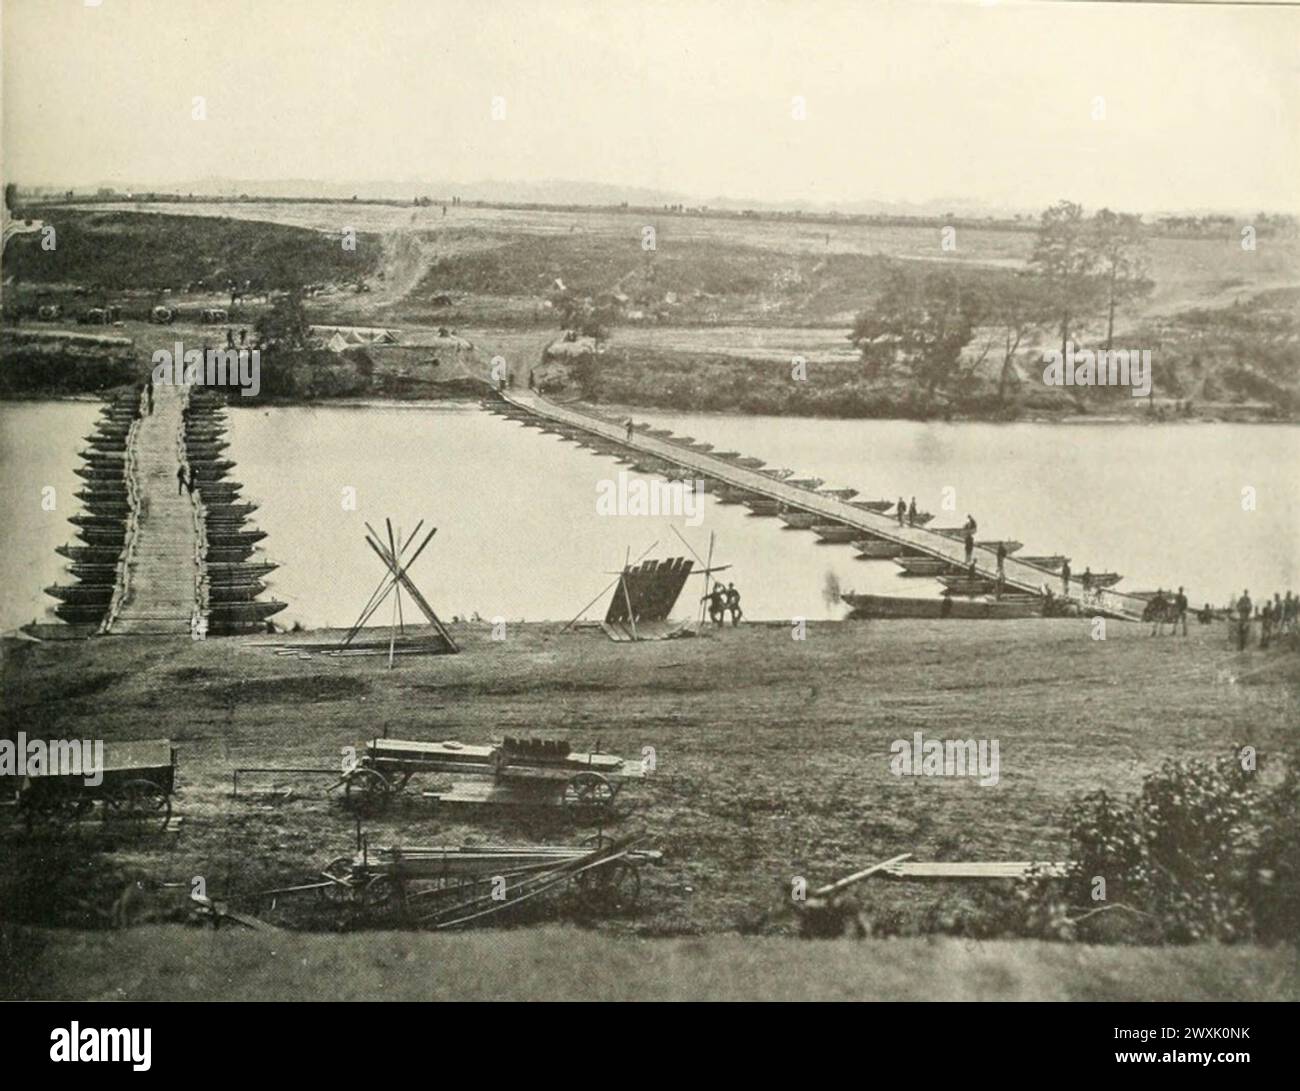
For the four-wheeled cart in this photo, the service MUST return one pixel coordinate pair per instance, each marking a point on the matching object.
(135, 785)
(528, 772)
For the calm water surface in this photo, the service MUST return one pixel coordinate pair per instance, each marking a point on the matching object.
(519, 535)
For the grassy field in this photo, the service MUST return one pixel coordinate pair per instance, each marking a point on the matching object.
(172, 964)
(1188, 272)
(708, 319)
(773, 754)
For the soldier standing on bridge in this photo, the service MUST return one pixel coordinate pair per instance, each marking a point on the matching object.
(911, 513)
(1065, 579)
(1002, 561)
(902, 510)
(970, 547)
(180, 480)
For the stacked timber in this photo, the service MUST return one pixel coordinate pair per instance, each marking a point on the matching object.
(102, 524)
(233, 568)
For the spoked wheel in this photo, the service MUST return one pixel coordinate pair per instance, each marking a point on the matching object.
(589, 794)
(139, 804)
(340, 871)
(368, 791)
(616, 887)
(379, 893)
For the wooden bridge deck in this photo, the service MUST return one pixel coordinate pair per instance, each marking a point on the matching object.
(158, 589)
(1018, 576)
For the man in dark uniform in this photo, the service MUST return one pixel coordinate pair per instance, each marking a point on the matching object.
(970, 548)
(1158, 607)
(1244, 608)
(902, 510)
(1065, 579)
(911, 513)
(717, 601)
(1180, 610)
(180, 480)
(733, 604)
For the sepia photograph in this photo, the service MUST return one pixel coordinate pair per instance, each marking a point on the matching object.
(650, 501)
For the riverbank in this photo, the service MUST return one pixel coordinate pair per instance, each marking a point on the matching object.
(772, 755)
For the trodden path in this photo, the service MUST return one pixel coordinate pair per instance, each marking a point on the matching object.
(159, 577)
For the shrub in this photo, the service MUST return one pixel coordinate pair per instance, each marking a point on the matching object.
(1205, 851)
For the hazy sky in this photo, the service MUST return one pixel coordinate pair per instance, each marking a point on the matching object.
(912, 100)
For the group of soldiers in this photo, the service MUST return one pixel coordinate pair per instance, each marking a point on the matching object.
(723, 600)
(908, 510)
(1277, 618)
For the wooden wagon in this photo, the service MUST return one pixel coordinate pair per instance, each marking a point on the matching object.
(135, 789)
(446, 886)
(527, 772)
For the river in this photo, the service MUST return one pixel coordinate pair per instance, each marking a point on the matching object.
(519, 535)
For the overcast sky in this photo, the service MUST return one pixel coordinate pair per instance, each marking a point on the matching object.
(913, 100)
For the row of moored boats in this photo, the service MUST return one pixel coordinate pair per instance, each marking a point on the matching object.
(966, 594)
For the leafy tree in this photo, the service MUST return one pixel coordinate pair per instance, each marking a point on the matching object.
(284, 327)
(1065, 259)
(1118, 245)
(1011, 310)
(921, 325)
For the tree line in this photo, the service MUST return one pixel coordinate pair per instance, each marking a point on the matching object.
(937, 330)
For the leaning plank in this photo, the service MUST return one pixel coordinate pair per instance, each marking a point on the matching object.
(858, 876)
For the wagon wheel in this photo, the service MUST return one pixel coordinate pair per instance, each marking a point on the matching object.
(340, 871)
(379, 893)
(140, 802)
(588, 791)
(368, 791)
(614, 887)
